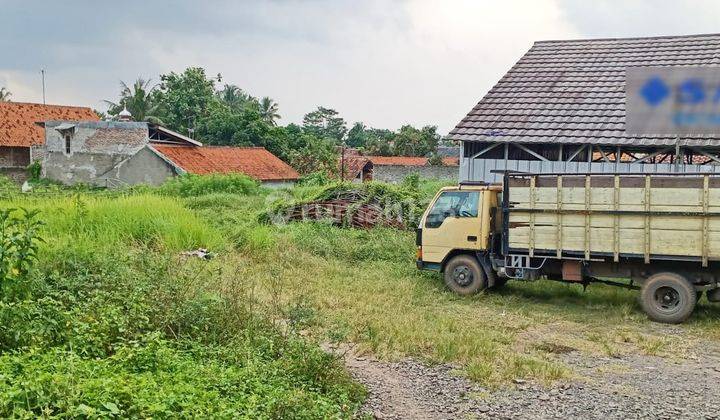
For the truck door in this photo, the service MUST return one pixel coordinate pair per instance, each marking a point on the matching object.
(453, 222)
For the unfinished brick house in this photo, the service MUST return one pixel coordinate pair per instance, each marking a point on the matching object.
(117, 153)
(22, 139)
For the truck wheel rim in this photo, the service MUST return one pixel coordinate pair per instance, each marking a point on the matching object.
(462, 275)
(667, 299)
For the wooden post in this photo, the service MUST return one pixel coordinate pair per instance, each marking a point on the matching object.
(533, 198)
(647, 219)
(559, 242)
(616, 220)
(705, 221)
(587, 216)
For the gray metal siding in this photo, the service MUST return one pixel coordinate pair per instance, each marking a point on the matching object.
(481, 169)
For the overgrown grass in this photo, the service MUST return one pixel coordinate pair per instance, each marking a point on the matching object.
(195, 185)
(113, 322)
(362, 286)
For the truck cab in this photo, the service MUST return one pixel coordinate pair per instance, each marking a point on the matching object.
(459, 224)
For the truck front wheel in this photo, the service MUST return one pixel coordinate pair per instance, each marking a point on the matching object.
(668, 298)
(464, 276)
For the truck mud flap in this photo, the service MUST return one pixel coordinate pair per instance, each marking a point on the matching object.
(487, 268)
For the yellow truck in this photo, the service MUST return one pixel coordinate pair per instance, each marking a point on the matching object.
(658, 233)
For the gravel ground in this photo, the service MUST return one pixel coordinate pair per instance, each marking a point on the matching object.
(611, 388)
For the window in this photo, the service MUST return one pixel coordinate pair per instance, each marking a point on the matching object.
(453, 204)
(67, 143)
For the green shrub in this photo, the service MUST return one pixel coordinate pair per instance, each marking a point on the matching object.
(315, 179)
(34, 170)
(190, 185)
(157, 378)
(19, 239)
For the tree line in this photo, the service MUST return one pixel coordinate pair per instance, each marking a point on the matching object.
(218, 113)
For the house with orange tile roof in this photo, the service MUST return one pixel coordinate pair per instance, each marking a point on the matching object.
(255, 162)
(117, 153)
(22, 139)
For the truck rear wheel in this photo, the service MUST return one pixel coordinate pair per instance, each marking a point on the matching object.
(668, 298)
(464, 276)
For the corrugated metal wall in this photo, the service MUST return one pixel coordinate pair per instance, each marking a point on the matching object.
(480, 169)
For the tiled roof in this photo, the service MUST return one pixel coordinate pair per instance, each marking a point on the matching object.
(252, 161)
(353, 165)
(408, 161)
(18, 121)
(574, 91)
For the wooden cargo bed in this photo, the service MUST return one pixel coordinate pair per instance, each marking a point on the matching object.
(646, 216)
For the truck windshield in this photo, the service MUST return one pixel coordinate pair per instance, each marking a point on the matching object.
(453, 204)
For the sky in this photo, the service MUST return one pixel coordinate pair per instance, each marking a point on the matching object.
(383, 62)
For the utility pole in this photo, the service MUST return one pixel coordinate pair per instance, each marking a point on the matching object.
(42, 72)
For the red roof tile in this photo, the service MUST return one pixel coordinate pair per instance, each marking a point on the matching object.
(353, 165)
(18, 121)
(252, 161)
(408, 161)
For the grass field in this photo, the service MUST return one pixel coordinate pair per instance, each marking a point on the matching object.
(362, 286)
(112, 321)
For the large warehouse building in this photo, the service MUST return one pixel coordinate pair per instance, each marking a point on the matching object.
(561, 108)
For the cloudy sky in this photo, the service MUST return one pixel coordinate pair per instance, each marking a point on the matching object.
(383, 62)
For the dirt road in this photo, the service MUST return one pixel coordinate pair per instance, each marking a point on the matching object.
(604, 388)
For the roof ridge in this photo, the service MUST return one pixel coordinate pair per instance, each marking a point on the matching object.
(627, 38)
(220, 146)
(38, 104)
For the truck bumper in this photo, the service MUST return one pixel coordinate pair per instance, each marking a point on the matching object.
(422, 265)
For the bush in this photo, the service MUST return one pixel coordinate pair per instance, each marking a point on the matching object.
(34, 170)
(190, 185)
(19, 239)
(315, 179)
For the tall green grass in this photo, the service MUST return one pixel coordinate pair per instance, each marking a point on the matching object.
(190, 185)
(98, 222)
(113, 322)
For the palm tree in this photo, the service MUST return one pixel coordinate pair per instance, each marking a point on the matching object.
(5, 95)
(269, 110)
(235, 98)
(139, 99)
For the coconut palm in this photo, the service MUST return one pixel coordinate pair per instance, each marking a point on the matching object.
(5, 95)
(139, 99)
(269, 110)
(235, 98)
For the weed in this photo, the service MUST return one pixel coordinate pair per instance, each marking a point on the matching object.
(190, 185)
